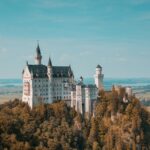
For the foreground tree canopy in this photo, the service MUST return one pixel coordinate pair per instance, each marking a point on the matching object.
(115, 126)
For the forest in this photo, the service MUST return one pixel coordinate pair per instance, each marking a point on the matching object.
(115, 125)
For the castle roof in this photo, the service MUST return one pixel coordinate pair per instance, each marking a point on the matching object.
(91, 86)
(62, 71)
(40, 71)
(87, 86)
(98, 66)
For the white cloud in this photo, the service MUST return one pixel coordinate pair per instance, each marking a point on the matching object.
(85, 53)
(138, 2)
(65, 58)
(144, 16)
(122, 59)
(29, 57)
(54, 4)
(3, 50)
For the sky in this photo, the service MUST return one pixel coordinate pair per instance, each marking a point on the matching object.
(80, 33)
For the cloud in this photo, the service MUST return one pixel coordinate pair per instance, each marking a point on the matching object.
(60, 18)
(118, 57)
(65, 58)
(122, 59)
(139, 2)
(3, 50)
(144, 16)
(55, 4)
(85, 53)
(29, 57)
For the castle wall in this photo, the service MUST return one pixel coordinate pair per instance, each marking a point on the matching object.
(40, 91)
(27, 88)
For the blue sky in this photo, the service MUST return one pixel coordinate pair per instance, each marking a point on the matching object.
(83, 33)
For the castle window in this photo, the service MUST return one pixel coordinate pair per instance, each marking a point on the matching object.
(27, 88)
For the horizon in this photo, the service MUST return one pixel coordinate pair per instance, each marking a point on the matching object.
(105, 78)
(114, 34)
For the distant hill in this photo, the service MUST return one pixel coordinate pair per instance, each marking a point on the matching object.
(115, 126)
(147, 108)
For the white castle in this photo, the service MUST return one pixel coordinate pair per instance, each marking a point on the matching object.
(46, 84)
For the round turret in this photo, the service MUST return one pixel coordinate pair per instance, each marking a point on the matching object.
(98, 69)
(99, 77)
(81, 79)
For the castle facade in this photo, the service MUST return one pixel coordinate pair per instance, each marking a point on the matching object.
(49, 83)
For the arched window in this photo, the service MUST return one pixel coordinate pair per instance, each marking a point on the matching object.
(26, 88)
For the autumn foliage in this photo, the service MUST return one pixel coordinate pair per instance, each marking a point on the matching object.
(115, 126)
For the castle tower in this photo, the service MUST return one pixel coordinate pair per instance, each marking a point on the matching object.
(50, 80)
(79, 99)
(99, 77)
(87, 102)
(38, 56)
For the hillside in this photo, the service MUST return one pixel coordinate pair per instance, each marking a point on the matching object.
(116, 126)
(44, 127)
(121, 125)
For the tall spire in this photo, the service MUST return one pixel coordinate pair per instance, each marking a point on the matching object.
(38, 56)
(38, 51)
(49, 62)
(49, 69)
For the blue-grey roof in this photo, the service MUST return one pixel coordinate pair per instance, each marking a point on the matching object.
(98, 66)
(62, 71)
(40, 71)
(91, 86)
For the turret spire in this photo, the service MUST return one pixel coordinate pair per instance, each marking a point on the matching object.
(49, 69)
(49, 62)
(38, 56)
(38, 51)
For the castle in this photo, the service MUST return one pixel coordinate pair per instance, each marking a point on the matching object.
(47, 84)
